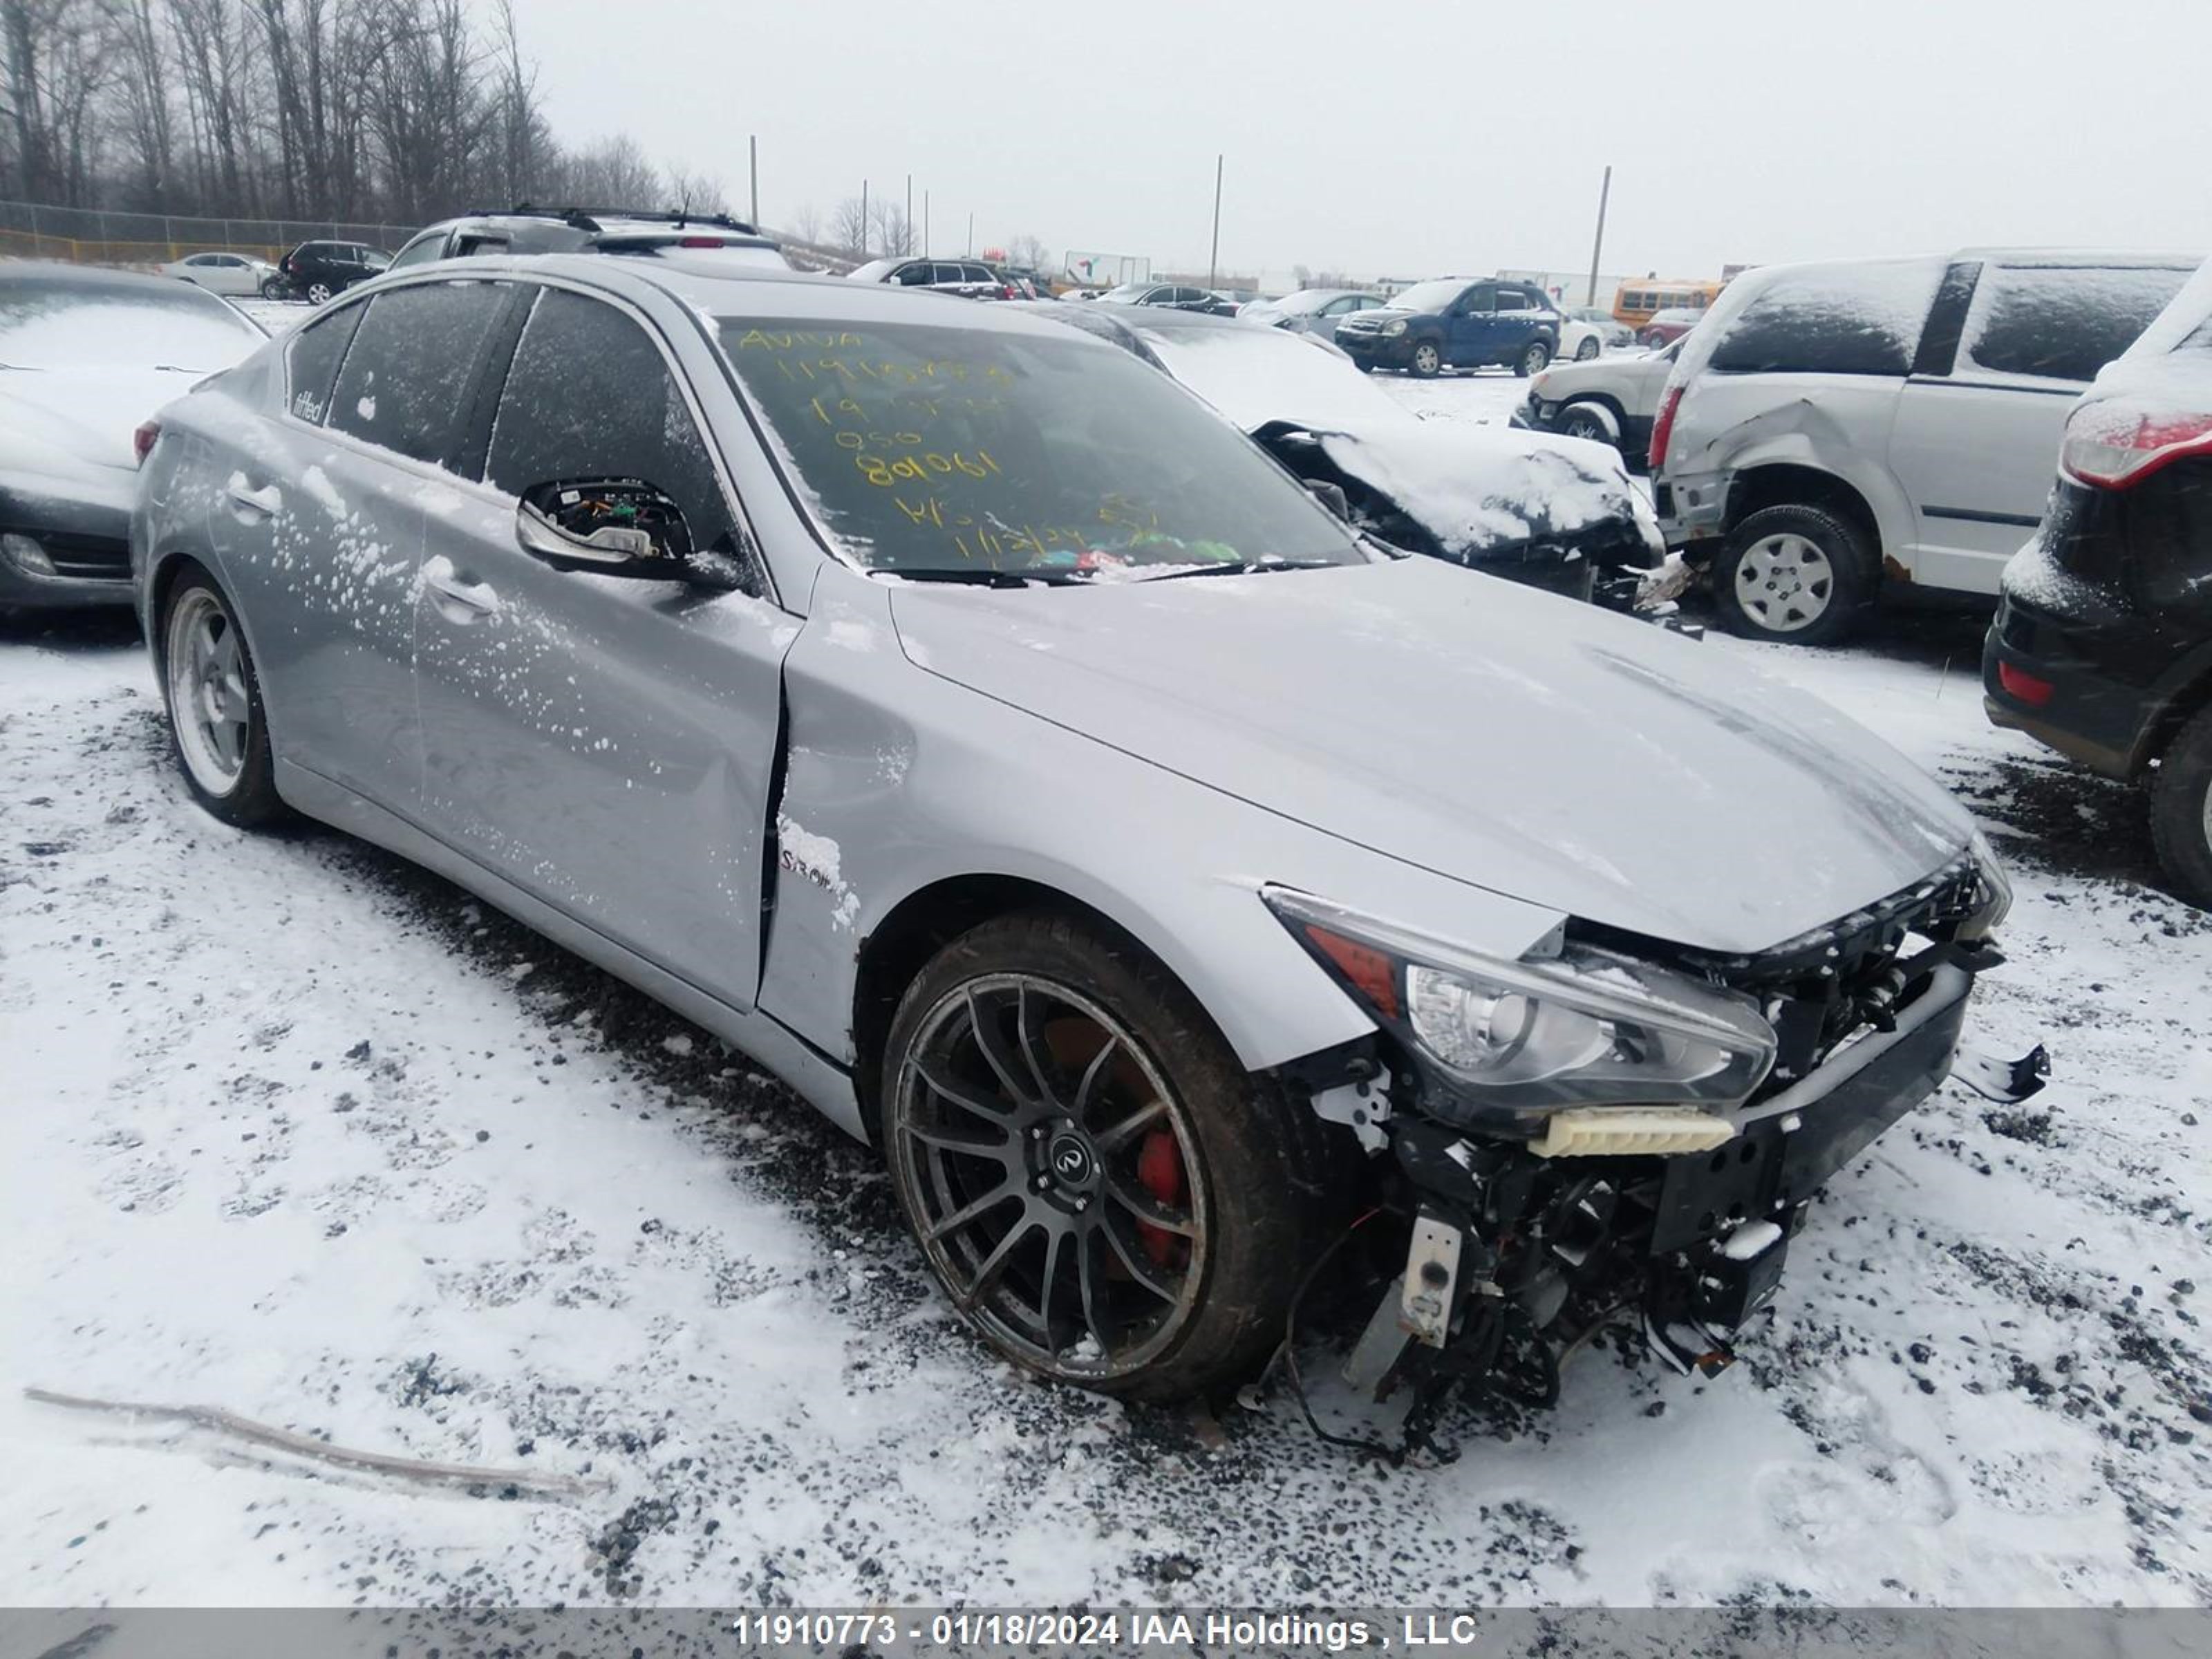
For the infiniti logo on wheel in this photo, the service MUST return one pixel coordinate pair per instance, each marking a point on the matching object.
(1070, 1158)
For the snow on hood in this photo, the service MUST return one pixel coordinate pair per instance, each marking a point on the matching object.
(1501, 737)
(75, 423)
(1471, 488)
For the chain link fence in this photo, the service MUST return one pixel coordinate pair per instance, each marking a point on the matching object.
(94, 236)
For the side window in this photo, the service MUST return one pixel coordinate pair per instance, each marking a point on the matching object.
(915, 275)
(2063, 324)
(405, 383)
(952, 274)
(1833, 320)
(978, 274)
(431, 245)
(589, 396)
(1478, 300)
(312, 357)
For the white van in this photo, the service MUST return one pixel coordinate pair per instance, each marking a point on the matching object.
(1828, 428)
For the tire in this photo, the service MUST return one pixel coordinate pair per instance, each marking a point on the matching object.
(1652, 342)
(1427, 359)
(1533, 357)
(1161, 1110)
(1588, 350)
(1590, 420)
(2181, 812)
(319, 292)
(273, 287)
(1798, 574)
(218, 729)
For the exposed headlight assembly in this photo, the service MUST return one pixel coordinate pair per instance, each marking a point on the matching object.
(1993, 893)
(1510, 1044)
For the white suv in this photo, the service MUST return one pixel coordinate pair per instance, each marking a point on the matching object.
(1832, 426)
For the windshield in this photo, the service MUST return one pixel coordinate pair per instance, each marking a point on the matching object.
(51, 323)
(1429, 297)
(937, 447)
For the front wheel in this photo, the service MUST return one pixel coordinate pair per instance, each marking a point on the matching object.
(1592, 421)
(2181, 812)
(1427, 359)
(273, 287)
(1103, 1192)
(1531, 359)
(1588, 349)
(1794, 574)
(216, 723)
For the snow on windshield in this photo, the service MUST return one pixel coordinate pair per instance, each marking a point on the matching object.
(59, 323)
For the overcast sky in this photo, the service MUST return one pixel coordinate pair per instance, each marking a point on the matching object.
(1415, 136)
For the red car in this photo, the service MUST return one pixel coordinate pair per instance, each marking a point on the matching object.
(1668, 326)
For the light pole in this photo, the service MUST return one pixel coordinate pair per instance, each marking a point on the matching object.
(1213, 256)
(752, 146)
(1597, 247)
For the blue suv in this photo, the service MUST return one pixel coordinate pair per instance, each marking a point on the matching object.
(1456, 322)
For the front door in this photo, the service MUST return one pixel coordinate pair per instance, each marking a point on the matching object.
(1471, 325)
(605, 743)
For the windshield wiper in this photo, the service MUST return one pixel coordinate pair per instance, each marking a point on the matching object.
(1243, 568)
(981, 576)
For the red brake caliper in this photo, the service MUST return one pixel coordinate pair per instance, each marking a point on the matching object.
(1159, 1172)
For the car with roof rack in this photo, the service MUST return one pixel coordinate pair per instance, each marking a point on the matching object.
(1157, 871)
(594, 230)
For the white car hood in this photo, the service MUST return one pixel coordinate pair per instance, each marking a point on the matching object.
(1535, 747)
(76, 423)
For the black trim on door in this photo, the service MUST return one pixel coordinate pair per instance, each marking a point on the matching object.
(2074, 390)
(1974, 515)
(1947, 319)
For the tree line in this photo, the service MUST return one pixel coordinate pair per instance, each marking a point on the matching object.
(385, 111)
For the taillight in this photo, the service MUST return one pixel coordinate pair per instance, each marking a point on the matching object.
(1662, 428)
(1009, 292)
(700, 241)
(2028, 688)
(2114, 444)
(142, 441)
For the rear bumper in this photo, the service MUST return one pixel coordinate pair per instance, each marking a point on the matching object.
(1692, 508)
(2085, 714)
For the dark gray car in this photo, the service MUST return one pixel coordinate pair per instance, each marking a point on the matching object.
(85, 355)
(949, 710)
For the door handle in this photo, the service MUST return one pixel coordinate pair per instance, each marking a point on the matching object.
(250, 503)
(474, 598)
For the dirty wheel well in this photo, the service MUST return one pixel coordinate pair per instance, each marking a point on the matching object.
(166, 574)
(1764, 487)
(921, 925)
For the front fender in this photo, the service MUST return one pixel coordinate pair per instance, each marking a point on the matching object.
(897, 778)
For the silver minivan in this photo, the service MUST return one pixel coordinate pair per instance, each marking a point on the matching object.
(1830, 428)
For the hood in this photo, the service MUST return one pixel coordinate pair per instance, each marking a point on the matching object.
(1535, 747)
(1482, 488)
(78, 423)
(1375, 316)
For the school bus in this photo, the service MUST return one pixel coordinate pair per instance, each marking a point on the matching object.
(1636, 299)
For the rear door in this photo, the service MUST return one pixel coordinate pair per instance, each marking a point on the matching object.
(1976, 440)
(605, 743)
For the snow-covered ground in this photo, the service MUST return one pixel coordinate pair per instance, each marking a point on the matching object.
(291, 1129)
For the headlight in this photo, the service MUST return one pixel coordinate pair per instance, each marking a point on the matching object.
(25, 555)
(1508, 1043)
(1396, 326)
(1993, 899)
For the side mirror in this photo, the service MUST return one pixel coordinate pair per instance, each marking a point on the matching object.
(1332, 497)
(615, 526)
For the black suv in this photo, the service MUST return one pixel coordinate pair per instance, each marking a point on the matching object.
(317, 271)
(2102, 645)
(528, 230)
(1454, 322)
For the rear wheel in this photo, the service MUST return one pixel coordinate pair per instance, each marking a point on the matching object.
(273, 287)
(216, 723)
(1533, 357)
(1588, 349)
(2181, 812)
(1106, 1196)
(1426, 360)
(1797, 574)
(319, 292)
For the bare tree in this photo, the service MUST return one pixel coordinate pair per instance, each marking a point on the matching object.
(1029, 253)
(805, 224)
(848, 228)
(694, 192)
(893, 234)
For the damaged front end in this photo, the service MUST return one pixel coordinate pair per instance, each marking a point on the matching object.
(1609, 1126)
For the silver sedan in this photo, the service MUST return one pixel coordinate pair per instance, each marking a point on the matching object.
(234, 276)
(951, 711)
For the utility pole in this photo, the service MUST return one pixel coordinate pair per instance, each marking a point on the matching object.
(1597, 247)
(924, 223)
(1213, 257)
(906, 230)
(971, 233)
(864, 221)
(752, 145)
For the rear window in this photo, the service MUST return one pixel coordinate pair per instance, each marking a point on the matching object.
(405, 383)
(312, 357)
(1830, 319)
(2063, 323)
